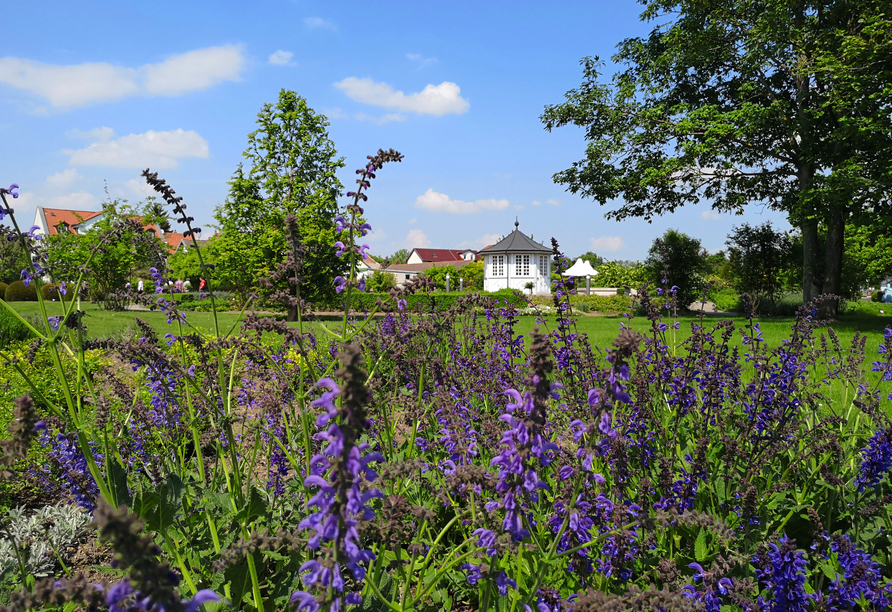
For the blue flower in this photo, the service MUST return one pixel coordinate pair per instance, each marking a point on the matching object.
(876, 459)
(12, 191)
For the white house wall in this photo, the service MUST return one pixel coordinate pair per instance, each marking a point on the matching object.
(509, 279)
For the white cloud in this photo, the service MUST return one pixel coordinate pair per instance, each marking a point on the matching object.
(607, 244)
(382, 119)
(549, 202)
(100, 133)
(420, 61)
(74, 201)
(417, 240)
(519, 207)
(24, 207)
(374, 236)
(64, 178)
(318, 23)
(412, 221)
(140, 188)
(80, 85)
(194, 70)
(151, 149)
(281, 58)
(486, 239)
(335, 113)
(437, 100)
(708, 215)
(432, 200)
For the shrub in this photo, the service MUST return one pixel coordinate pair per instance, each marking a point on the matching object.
(49, 291)
(18, 291)
(3, 287)
(11, 329)
(423, 302)
(726, 300)
(601, 303)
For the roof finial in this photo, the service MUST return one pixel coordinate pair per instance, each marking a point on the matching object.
(516, 224)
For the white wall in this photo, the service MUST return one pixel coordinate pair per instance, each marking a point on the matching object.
(414, 257)
(513, 278)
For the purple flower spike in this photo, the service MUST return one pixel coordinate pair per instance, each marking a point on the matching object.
(12, 191)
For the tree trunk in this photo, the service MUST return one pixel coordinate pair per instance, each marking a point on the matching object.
(811, 282)
(836, 227)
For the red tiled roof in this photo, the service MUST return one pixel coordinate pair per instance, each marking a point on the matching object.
(173, 240)
(440, 254)
(56, 216)
(421, 267)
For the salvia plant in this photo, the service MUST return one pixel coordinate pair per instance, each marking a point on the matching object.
(437, 459)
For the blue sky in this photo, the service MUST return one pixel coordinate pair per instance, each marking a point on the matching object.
(91, 93)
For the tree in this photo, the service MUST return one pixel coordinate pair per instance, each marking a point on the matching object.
(593, 258)
(380, 281)
(13, 258)
(677, 260)
(401, 256)
(291, 166)
(868, 257)
(122, 248)
(779, 102)
(758, 257)
(472, 274)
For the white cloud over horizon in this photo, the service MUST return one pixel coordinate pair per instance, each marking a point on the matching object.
(440, 202)
(389, 117)
(416, 239)
(550, 202)
(281, 58)
(436, 100)
(151, 149)
(607, 244)
(76, 86)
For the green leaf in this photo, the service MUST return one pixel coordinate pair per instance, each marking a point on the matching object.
(700, 546)
(254, 508)
(118, 481)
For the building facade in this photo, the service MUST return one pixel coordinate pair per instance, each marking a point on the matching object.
(514, 262)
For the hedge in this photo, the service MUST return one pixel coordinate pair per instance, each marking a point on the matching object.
(3, 287)
(423, 302)
(19, 292)
(11, 329)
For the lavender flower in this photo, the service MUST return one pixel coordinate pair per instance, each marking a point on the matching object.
(339, 500)
(782, 572)
(876, 459)
(862, 578)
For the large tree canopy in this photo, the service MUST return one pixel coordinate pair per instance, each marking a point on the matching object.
(784, 103)
(291, 166)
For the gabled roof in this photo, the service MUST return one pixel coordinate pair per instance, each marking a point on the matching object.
(517, 242)
(421, 267)
(371, 264)
(439, 254)
(56, 216)
(173, 240)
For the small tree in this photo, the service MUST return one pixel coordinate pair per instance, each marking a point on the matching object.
(758, 257)
(593, 258)
(380, 281)
(399, 257)
(677, 260)
(13, 258)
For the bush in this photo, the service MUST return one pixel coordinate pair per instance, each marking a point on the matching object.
(601, 303)
(424, 302)
(726, 300)
(11, 329)
(18, 291)
(49, 292)
(3, 287)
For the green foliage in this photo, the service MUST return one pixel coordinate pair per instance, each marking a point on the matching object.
(725, 300)
(3, 287)
(758, 258)
(291, 169)
(593, 258)
(116, 252)
(401, 256)
(472, 274)
(680, 261)
(11, 329)
(733, 102)
(12, 260)
(186, 265)
(19, 292)
(868, 250)
(616, 274)
(437, 300)
(380, 281)
(602, 303)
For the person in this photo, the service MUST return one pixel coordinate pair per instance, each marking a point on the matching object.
(202, 284)
(178, 286)
(139, 286)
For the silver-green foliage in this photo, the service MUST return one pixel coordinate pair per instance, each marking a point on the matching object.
(39, 537)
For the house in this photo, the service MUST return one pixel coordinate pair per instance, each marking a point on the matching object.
(53, 221)
(177, 242)
(366, 267)
(515, 261)
(440, 255)
(407, 271)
